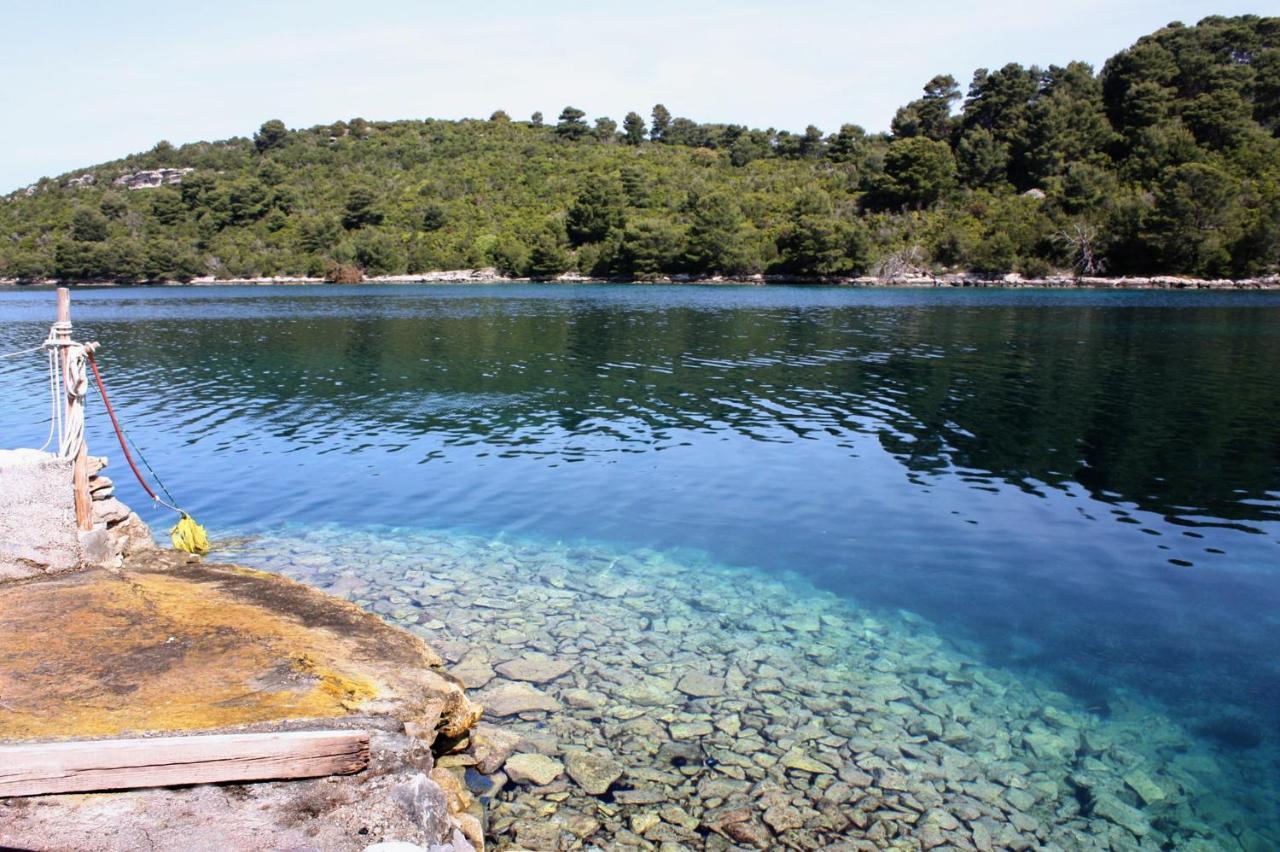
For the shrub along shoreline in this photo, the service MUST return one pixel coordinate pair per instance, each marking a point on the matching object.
(492, 276)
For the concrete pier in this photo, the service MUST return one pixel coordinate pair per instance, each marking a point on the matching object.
(37, 515)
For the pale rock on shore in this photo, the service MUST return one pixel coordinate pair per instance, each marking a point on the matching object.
(961, 280)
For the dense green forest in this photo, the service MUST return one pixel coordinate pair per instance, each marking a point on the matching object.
(1165, 161)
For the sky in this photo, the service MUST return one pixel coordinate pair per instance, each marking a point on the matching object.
(83, 81)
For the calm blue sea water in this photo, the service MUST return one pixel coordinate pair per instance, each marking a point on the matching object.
(1081, 484)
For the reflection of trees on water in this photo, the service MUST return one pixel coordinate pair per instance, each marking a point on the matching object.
(1174, 411)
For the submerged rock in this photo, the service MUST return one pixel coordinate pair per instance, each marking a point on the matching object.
(651, 693)
(783, 818)
(491, 746)
(593, 773)
(533, 769)
(1109, 807)
(534, 669)
(508, 699)
(474, 672)
(690, 730)
(1141, 783)
(797, 759)
(701, 685)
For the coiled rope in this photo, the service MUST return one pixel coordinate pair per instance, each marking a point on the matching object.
(77, 387)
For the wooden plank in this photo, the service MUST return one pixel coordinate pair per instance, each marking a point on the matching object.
(75, 767)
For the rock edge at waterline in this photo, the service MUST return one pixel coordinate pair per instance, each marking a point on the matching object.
(489, 275)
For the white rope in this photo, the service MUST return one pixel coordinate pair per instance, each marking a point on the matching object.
(59, 410)
(22, 352)
(53, 404)
(58, 342)
(77, 388)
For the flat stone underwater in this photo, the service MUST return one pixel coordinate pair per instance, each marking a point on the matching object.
(666, 700)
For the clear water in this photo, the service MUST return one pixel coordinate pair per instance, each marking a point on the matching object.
(1081, 489)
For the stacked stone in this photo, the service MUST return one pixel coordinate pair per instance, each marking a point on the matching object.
(117, 530)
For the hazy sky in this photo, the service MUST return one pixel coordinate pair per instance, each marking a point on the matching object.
(85, 82)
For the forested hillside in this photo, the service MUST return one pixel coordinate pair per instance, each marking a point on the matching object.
(1166, 160)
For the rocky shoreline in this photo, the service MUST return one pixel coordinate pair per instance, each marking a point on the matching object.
(956, 280)
(201, 648)
(653, 702)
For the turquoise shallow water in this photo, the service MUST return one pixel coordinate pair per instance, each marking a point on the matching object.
(835, 721)
(1077, 491)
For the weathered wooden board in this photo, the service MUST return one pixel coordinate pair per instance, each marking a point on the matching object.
(74, 767)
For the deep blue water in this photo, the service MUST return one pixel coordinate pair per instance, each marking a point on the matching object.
(1086, 484)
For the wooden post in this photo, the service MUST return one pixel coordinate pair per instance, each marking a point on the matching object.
(80, 466)
(64, 314)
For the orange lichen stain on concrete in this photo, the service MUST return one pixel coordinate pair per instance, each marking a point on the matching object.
(101, 654)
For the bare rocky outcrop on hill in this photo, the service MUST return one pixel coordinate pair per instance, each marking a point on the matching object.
(152, 178)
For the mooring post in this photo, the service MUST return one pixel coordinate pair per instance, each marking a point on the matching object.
(74, 410)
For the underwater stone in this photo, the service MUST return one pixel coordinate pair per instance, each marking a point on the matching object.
(1059, 719)
(508, 699)
(578, 824)
(653, 693)
(731, 725)
(1020, 799)
(855, 776)
(677, 815)
(870, 687)
(537, 834)
(535, 668)
(1141, 783)
(491, 746)
(981, 837)
(533, 768)
(474, 672)
(930, 837)
(593, 773)
(643, 821)
(583, 699)
(690, 730)
(1130, 818)
(782, 817)
(803, 623)
(701, 685)
(641, 796)
(1047, 746)
(797, 759)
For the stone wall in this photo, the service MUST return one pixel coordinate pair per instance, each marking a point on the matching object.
(38, 534)
(117, 530)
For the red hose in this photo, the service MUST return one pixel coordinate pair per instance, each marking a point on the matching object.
(102, 389)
